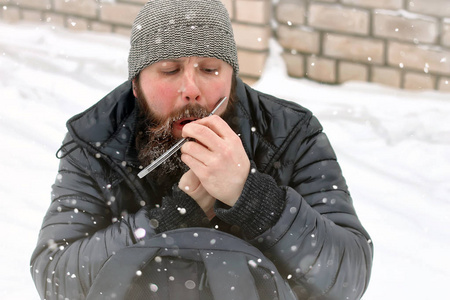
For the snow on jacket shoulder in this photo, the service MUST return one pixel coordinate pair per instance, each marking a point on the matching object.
(98, 202)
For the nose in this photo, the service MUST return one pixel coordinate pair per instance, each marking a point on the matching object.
(190, 90)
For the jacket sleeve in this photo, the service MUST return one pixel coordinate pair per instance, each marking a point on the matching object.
(311, 231)
(78, 233)
(82, 230)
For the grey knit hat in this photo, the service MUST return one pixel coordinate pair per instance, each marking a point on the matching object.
(168, 29)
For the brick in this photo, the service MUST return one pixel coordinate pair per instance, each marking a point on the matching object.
(295, 64)
(252, 37)
(249, 80)
(229, 6)
(125, 31)
(291, 12)
(386, 4)
(352, 72)
(436, 7)
(134, 1)
(39, 4)
(445, 38)
(118, 13)
(251, 63)
(85, 8)
(354, 48)
(32, 15)
(321, 69)
(415, 81)
(444, 85)
(78, 24)
(11, 14)
(299, 39)
(255, 12)
(55, 20)
(426, 59)
(389, 25)
(338, 18)
(100, 27)
(387, 76)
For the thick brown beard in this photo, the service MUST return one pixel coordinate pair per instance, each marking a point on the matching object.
(154, 136)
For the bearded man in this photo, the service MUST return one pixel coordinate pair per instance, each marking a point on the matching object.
(260, 168)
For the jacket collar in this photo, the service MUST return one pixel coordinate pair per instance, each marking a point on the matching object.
(108, 127)
(266, 125)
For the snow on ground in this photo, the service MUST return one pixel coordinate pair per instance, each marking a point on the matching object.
(393, 147)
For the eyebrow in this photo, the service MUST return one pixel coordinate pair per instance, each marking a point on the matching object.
(181, 59)
(172, 60)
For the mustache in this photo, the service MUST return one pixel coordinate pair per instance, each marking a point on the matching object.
(164, 124)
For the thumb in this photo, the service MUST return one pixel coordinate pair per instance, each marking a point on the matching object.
(189, 183)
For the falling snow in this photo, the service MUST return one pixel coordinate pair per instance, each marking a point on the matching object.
(153, 287)
(140, 233)
(189, 284)
(392, 146)
(252, 263)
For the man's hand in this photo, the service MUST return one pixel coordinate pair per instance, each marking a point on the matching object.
(217, 158)
(191, 185)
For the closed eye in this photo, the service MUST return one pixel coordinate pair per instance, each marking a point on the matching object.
(210, 70)
(171, 72)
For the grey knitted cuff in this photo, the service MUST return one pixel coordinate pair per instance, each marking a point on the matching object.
(258, 208)
(177, 211)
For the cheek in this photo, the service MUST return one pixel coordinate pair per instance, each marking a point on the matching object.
(224, 84)
(217, 89)
(162, 98)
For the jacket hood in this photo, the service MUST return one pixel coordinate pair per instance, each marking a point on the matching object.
(108, 126)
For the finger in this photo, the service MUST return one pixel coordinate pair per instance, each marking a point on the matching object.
(198, 151)
(195, 165)
(189, 182)
(202, 134)
(217, 125)
(191, 185)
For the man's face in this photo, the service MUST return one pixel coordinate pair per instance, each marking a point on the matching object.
(170, 86)
(172, 93)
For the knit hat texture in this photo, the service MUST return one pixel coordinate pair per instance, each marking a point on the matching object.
(170, 29)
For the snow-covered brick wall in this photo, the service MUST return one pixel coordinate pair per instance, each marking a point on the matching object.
(251, 22)
(400, 43)
(405, 44)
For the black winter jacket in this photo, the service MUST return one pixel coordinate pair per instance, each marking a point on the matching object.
(98, 202)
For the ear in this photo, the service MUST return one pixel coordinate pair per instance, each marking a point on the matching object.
(133, 83)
